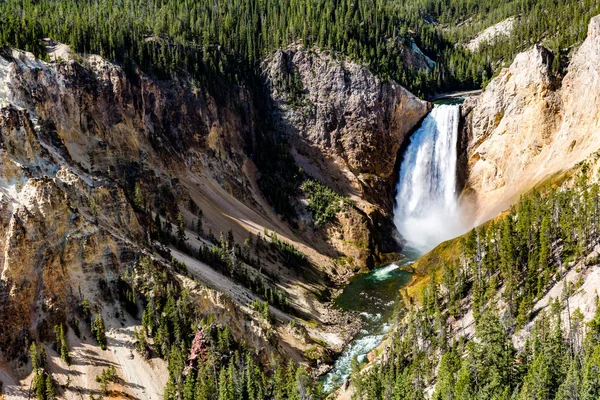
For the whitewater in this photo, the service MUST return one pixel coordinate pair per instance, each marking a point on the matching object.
(426, 212)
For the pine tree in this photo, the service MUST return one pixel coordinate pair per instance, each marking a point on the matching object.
(279, 384)
(493, 354)
(181, 238)
(34, 356)
(205, 384)
(570, 388)
(39, 384)
(99, 331)
(508, 260)
(545, 242)
(464, 388)
(158, 224)
(50, 390)
(230, 240)
(190, 386)
(226, 388)
(447, 376)
(63, 346)
(138, 198)
(591, 376)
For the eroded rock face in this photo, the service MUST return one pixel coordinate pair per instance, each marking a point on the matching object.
(345, 124)
(342, 111)
(527, 126)
(78, 136)
(509, 125)
(74, 136)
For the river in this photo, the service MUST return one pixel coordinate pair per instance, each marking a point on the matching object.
(374, 296)
(426, 213)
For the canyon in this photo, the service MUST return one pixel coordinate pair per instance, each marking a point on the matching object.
(529, 132)
(93, 153)
(82, 137)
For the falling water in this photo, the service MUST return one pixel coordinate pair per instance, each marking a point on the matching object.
(426, 214)
(426, 211)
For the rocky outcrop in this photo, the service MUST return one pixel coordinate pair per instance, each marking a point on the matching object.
(528, 126)
(59, 224)
(346, 126)
(490, 35)
(340, 116)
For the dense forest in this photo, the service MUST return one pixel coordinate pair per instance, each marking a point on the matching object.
(498, 273)
(222, 369)
(228, 38)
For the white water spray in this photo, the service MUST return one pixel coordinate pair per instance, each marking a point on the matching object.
(427, 211)
(426, 214)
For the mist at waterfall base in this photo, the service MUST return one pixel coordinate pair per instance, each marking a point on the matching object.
(426, 211)
(426, 214)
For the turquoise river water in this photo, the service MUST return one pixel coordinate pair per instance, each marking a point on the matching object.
(373, 295)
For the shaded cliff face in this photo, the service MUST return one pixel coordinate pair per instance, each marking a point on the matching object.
(339, 115)
(346, 127)
(82, 140)
(527, 126)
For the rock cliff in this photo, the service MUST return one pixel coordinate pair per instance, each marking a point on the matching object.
(341, 116)
(346, 127)
(528, 125)
(92, 155)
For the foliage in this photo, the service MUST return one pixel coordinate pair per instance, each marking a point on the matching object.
(61, 343)
(228, 39)
(263, 308)
(224, 368)
(230, 259)
(289, 255)
(522, 252)
(107, 376)
(42, 383)
(99, 331)
(323, 202)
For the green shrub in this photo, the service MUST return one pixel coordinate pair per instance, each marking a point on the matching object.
(323, 202)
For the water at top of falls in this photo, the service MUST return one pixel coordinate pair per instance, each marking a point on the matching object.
(426, 211)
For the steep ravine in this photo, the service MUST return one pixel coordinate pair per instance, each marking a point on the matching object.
(528, 128)
(92, 155)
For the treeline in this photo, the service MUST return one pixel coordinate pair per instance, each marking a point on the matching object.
(529, 248)
(552, 365)
(558, 25)
(228, 39)
(208, 39)
(498, 273)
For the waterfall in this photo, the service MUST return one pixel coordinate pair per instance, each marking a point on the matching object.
(426, 211)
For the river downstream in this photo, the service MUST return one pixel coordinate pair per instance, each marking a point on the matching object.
(374, 296)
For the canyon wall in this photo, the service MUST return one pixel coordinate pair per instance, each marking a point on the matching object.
(346, 127)
(528, 125)
(92, 153)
